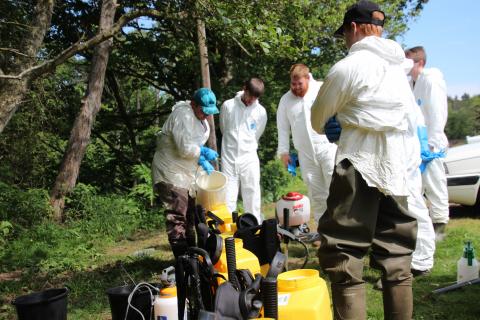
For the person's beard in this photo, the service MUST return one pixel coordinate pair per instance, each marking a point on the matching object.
(300, 92)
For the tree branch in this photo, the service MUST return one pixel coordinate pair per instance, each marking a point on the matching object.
(15, 51)
(51, 64)
(117, 152)
(241, 46)
(18, 24)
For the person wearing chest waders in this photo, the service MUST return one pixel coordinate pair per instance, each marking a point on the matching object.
(179, 152)
(367, 211)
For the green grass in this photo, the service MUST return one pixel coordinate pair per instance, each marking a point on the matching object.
(88, 275)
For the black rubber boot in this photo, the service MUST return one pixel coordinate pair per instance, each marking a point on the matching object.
(349, 302)
(397, 299)
(179, 247)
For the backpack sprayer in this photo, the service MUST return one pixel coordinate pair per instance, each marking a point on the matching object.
(236, 270)
(244, 261)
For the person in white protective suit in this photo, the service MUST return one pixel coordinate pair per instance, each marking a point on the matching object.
(242, 122)
(180, 150)
(430, 92)
(423, 256)
(367, 210)
(316, 154)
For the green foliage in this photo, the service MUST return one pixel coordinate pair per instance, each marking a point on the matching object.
(463, 117)
(274, 178)
(23, 208)
(143, 189)
(93, 221)
(5, 229)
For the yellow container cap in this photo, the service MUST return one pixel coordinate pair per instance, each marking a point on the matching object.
(168, 292)
(298, 279)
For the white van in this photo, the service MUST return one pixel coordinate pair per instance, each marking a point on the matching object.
(462, 166)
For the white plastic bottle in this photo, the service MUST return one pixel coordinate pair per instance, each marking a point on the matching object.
(165, 304)
(467, 265)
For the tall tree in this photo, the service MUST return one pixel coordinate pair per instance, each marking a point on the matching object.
(12, 91)
(82, 128)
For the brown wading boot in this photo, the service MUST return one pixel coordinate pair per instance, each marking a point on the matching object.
(349, 302)
(439, 229)
(397, 299)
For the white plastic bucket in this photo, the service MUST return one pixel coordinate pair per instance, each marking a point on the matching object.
(211, 190)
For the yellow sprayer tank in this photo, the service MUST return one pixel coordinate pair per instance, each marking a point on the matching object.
(245, 259)
(302, 294)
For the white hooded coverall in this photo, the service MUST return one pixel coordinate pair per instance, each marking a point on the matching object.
(375, 103)
(430, 92)
(178, 147)
(242, 126)
(315, 153)
(422, 257)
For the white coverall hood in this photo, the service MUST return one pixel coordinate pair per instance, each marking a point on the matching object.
(379, 107)
(369, 92)
(387, 49)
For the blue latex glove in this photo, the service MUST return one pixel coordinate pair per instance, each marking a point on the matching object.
(423, 137)
(425, 152)
(332, 129)
(208, 153)
(207, 166)
(292, 164)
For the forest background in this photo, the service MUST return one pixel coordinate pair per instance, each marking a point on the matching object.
(86, 85)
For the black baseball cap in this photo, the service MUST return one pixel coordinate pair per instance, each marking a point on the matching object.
(360, 12)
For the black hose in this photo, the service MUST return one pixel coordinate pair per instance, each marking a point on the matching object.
(270, 298)
(306, 252)
(231, 261)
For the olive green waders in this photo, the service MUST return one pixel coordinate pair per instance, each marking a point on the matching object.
(180, 219)
(360, 218)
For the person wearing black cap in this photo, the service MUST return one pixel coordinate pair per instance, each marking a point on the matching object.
(367, 209)
(180, 150)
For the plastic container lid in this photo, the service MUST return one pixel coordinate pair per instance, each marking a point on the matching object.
(292, 196)
(298, 279)
(168, 292)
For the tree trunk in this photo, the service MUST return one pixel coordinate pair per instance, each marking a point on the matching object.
(202, 47)
(82, 127)
(12, 92)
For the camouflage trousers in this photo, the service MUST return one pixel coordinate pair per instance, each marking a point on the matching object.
(179, 211)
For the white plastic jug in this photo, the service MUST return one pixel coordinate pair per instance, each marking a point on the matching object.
(298, 206)
(165, 304)
(211, 190)
(467, 265)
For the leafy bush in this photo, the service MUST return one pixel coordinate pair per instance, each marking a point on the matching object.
(93, 221)
(5, 229)
(23, 208)
(143, 188)
(274, 179)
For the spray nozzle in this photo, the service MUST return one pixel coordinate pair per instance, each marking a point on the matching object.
(469, 252)
(167, 277)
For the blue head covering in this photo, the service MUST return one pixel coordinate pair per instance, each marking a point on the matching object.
(207, 100)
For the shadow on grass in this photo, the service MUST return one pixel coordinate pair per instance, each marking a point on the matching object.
(458, 304)
(87, 298)
(457, 211)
